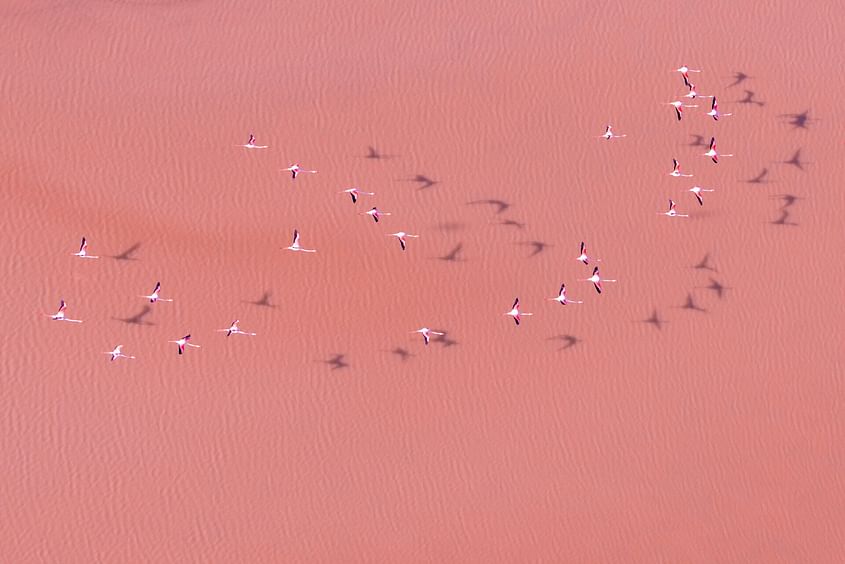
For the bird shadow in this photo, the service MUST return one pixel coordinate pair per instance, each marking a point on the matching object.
(450, 226)
(749, 99)
(403, 353)
(375, 154)
(138, 318)
(783, 220)
(717, 287)
(423, 180)
(512, 223)
(337, 362)
(127, 254)
(798, 121)
(500, 205)
(704, 264)
(691, 305)
(760, 178)
(787, 199)
(655, 320)
(569, 341)
(796, 161)
(263, 301)
(453, 255)
(444, 340)
(739, 77)
(698, 141)
(537, 247)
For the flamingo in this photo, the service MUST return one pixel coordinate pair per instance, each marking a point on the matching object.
(596, 279)
(583, 256)
(714, 111)
(672, 212)
(295, 245)
(608, 134)
(427, 333)
(115, 354)
(154, 297)
(295, 169)
(60, 315)
(712, 153)
(183, 342)
(233, 329)
(83, 250)
(561, 297)
(251, 143)
(515, 313)
(375, 213)
(355, 192)
(685, 70)
(401, 236)
(679, 107)
(693, 94)
(697, 190)
(676, 170)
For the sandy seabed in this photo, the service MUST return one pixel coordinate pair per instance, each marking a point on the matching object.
(690, 413)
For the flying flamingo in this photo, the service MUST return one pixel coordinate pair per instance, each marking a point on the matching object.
(401, 236)
(251, 143)
(693, 94)
(295, 245)
(561, 297)
(679, 107)
(596, 279)
(83, 250)
(608, 134)
(583, 256)
(183, 342)
(714, 111)
(60, 315)
(355, 192)
(375, 213)
(115, 354)
(295, 169)
(676, 170)
(697, 190)
(685, 70)
(672, 212)
(154, 297)
(235, 330)
(712, 153)
(427, 333)
(515, 313)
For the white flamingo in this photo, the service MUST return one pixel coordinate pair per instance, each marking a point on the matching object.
(676, 170)
(401, 236)
(83, 250)
(233, 329)
(427, 333)
(596, 279)
(712, 153)
(295, 245)
(375, 213)
(251, 143)
(60, 315)
(115, 354)
(583, 256)
(183, 342)
(295, 170)
(515, 313)
(561, 297)
(608, 134)
(154, 297)
(355, 192)
(697, 190)
(714, 111)
(672, 212)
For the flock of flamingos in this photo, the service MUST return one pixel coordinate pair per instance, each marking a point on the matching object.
(515, 313)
